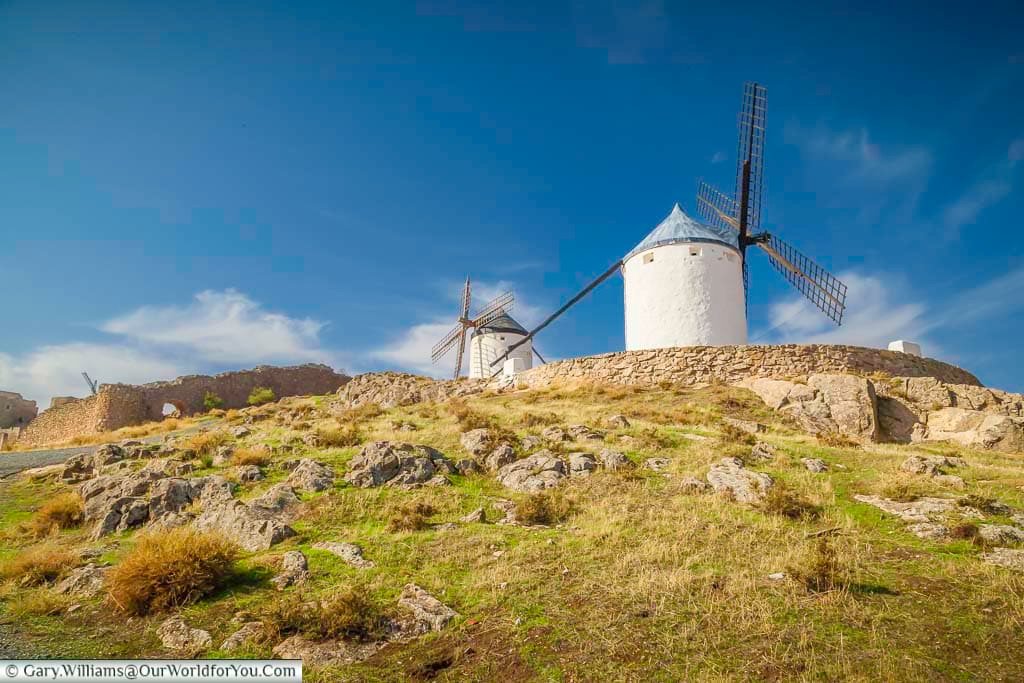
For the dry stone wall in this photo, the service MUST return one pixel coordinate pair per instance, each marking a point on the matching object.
(731, 364)
(15, 411)
(122, 405)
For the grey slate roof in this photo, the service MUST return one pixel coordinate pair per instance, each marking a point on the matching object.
(503, 323)
(679, 227)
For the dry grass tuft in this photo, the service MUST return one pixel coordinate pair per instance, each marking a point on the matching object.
(341, 437)
(902, 489)
(64, 511)
(205, 443)
(823, 571)
(538, 419)
(41, 602)
(38, 565)
(347, 613)
(467, 417)
(985, 504)
(784, 502)
(170, 569)
(729, 433)
(251, 456)
(547, 508)
(366, 411)
(836, 440)
(410, 517)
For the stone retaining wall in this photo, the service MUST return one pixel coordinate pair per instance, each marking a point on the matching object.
(123, 405)
(695, 364)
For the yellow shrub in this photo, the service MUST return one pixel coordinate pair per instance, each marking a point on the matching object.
(61, 512)
(38, 565)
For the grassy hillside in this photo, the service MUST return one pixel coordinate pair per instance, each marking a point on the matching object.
(634, 577)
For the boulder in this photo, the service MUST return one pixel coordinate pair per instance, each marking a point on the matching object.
(475, 517)
(466, 467)
(916, 464)
(310, 475)
(244, 524)
(277, 502)
(240, 431)
(84, 581)
(581, 464)
(614, 460)
(499, 457)
(762, 451)
(585, 433)
(851, 402)
(349, 552)
(223, 456)
(748, 426)
(657, 464)
(618, 422)
(397, 464)
(530, 442)
(929, 530)
(249, 632)
(816, 465)
(176, 635)
(325, 653)
(554, 433)
(1001, 534)
(536, 472)
(920, 510)
(1006, 557)
(294, 570)
(976, 429)
(693, 485)
(248, 473)
(477, 441)
(731, 478)
(429, 613)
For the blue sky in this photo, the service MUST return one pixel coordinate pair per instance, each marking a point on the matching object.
(193, 188)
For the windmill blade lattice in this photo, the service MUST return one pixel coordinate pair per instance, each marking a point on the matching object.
(716, 208)
(498, 306)
(442, 347)
(752, 122)
(820, 287)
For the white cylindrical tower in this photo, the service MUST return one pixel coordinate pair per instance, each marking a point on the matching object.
(490, 342)
(684, 287)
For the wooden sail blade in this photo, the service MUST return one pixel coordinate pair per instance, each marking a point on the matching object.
(465, 301)
(750, 157)
(504, 302)
(819, 286)
(716, 208)
(462, 352)
(442, 347)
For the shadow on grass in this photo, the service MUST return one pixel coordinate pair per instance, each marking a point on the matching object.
(871, 589)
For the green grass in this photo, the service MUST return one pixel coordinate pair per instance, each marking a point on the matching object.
(640, 582)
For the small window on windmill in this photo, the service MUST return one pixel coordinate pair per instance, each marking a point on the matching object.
(648, 257)
(730, 256)
(694, 251)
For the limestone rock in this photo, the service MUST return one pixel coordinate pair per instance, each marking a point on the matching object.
(618, 422)
(477, 441)
(349, 552)
(176, 635)
(693, 485)
(554, 434)
(429, 613)
(392, 389)
(657, 464)
(240, 431)
(851, 403)
(816, 465)
(585, 433)
(244, 524)
(614, 460)
(250, 631)
(976, 429)
(278, 502)
(762, 451)
(499, 457)
(916, 464)
(84, 581)
(294, 570)
(1006, 557)
(730, 477)
(537, 472)
(929, 530)
(396, 464)
(530, 442)
(1001, 534)
(581, 464)
(474, 517)
(311, 475)
(325, 653)
(507, 508)
(223, 456)
(466, 467)
(748, 426)
(248, 473)
(920, 510)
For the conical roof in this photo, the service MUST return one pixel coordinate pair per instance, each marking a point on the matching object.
(503, 323)
(679, 227)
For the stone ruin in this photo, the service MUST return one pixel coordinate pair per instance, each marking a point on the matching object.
(124, 405)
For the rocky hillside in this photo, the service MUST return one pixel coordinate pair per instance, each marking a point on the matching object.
(407, 529)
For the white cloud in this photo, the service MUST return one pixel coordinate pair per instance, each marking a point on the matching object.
(879, 310)
(865, 162)
(996, 183)
(1016, 151)
(223, 327)
(56, 370)
(411, 349)
(718, 157)
(218, 330)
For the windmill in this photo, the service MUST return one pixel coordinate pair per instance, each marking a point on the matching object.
(742, 213)
(687, 282)
(494, 330)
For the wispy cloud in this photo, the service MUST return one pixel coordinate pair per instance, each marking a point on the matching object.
(878, 311)
(411, 348)
(718, 157)
(996, 183)
(629, 33)
(217, 330)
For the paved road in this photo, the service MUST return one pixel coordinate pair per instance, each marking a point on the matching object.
(12, 463)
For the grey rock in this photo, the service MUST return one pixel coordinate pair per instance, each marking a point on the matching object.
(349, 552)
(614, 460)
(554, 433)
(240, 431)
(507, 508)
(477, 441)
(762, 451)
(1005, 557)
(929, 530)
(467, 466)
(530, 442)
(396, 464)
(585, 433)
(1001, 534)
(428, 612)
(499, 457)
(310, 475)
(475, 517)
(294, 570)
(694, 485)
(731, 478)
(84, 581)
(248, 473)
(532, 474)
(325, 653)
(816, 465)
(618, 422)
(581, 464)
(748, 426)
(223, 456)
(250, 631)
(915, 464)
(657, 464)
(176, 635)
(920, 510)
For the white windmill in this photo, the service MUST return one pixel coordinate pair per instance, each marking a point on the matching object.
(494, 333)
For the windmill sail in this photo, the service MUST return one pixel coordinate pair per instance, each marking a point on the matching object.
(820, 287)
(502, 303)
(750, 153)
(442, 347)
(716, 208)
